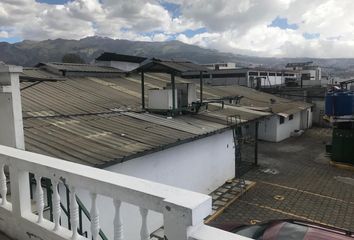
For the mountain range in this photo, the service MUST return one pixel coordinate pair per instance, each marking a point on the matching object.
(29, 53)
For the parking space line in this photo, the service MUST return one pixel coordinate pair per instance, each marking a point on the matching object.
(306, 192)
(285, 213)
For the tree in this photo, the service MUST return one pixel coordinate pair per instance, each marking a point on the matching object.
(72, 58)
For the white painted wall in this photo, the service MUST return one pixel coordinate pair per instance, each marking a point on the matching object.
(11, 127)
(271, 130)
(201, 166)
(272, 80)
(161, 99)
(267, 129)
(284, 130)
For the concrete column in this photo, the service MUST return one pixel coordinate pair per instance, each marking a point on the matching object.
(11, 122)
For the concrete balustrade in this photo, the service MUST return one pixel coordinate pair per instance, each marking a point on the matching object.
(183, 210)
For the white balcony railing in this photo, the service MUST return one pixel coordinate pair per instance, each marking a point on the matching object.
(183, 211)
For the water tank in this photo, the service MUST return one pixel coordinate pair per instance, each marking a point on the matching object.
(340, 103)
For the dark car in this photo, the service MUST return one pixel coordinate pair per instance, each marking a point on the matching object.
(288, 230)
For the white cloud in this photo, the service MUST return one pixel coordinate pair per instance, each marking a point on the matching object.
(243, 27)
(238, 26)
(4, 34)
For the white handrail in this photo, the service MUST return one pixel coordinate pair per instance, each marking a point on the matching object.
(183, 211)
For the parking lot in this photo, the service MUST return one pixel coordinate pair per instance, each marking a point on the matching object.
(295, 180)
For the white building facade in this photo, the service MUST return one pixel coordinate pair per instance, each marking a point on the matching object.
(280, 127)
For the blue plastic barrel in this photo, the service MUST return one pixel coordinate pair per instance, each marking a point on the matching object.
(339, 103)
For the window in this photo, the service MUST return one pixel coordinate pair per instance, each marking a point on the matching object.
(281, 119)
(311, 109)
(291, 116)
(305, 76)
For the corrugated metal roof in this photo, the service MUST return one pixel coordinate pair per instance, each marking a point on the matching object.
(106, 139)
(251, 97)
(182, 123)
(75, 96)
(36, 74)
(96, 121)
(177, 66)
(76, 67)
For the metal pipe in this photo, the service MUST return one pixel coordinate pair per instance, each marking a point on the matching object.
(201, 87)
(256, 144)
(173, 84)
(68, 207)
(142, 90)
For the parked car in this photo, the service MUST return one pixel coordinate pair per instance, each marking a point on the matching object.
(288, 229)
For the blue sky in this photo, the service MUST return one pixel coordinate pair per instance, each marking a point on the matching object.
(282, 23)
(296, 28)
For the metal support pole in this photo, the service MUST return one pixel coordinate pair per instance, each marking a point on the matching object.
(173, 84)
(142, 90)
(256, 144)
(201, 87)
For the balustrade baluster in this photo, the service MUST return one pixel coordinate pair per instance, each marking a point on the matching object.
(144, 232)
(118, 226)
(74, 213)
(56, 205)
(39, 198)
(3, 185)
(95, 225)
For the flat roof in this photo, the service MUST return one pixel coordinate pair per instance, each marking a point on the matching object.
(109, 56)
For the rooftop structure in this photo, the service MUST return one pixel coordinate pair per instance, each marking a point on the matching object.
(104, 115)
(219, 66)
(70, 69)
(100, 121)
(178, 67)
(309, 74)
(22, 220)
(249, 77)
(299, 64)
(107, 56)
(119, 61)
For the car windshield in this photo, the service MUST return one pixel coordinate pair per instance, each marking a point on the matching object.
(255, 231)
(287, 231)
(279, 231)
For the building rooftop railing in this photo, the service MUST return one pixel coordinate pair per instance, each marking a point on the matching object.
(183, 211)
